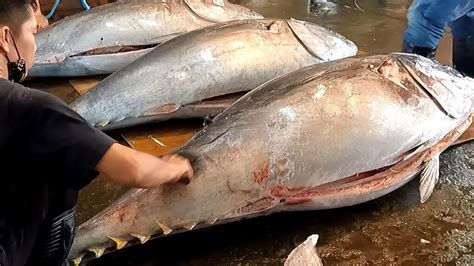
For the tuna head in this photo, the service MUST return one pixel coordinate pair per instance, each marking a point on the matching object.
(453, 91)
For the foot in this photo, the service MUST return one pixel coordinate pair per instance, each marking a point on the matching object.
(423, 51)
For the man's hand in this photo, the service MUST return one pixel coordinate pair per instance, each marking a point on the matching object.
(137, 169)
(180, 170)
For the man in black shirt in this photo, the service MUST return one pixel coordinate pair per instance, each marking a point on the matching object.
(48, 153)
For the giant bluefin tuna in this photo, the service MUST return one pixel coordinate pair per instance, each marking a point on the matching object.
(218, 60)
(327, 136)
(109, 37)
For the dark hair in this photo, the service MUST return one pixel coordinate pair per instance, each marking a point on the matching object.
(13, 13)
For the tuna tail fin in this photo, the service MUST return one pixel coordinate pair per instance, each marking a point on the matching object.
(429, 178)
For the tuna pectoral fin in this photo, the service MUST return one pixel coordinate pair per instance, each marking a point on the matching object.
(305, 254)
(429, 178)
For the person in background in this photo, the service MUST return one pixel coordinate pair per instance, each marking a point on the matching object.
(40, 18)
(427, 20)
(48, 153)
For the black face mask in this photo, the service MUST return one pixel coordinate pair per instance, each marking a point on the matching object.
(16, 70)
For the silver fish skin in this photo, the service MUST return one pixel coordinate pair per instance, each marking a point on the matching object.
(109, 37)
(327, 136)
(217, 60)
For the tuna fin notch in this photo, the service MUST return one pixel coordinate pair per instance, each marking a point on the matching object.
(190, 227)
(429, 178)
(77, 260)
(143, 238)
(163, 109)
(98, 252)
(166, 230)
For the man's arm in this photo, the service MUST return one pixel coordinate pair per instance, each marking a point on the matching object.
(73, 151)
(137, 169)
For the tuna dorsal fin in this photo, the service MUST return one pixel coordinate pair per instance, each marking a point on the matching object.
(447, 90)
(162, 109)
(429, 178)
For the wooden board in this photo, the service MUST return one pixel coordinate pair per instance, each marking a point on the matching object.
(83, 85)
(161, 139)
(156, 139)
(57, 86)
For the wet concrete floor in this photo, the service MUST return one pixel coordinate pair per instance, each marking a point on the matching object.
(395, 229)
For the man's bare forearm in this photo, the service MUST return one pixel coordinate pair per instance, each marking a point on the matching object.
(137, 169)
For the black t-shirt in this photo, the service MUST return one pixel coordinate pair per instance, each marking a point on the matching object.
(42, 141)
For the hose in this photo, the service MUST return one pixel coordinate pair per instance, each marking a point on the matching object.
(85, 5)
(53, 9)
